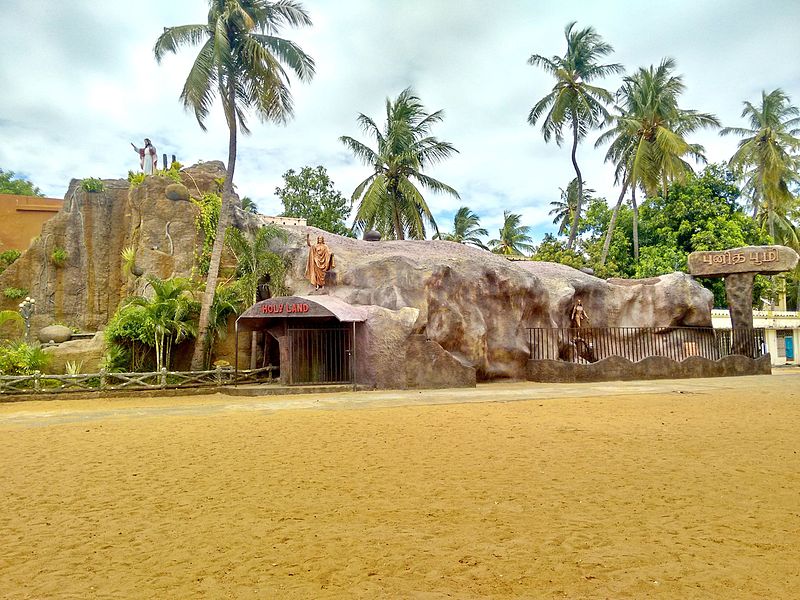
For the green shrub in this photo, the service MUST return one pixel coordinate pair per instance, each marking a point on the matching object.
(135, 179)
(58, 257)
(13, 293)
(117, 359)
(7, 258)
(128, 259)
(19, 358)
(92, 184)
(206, 223)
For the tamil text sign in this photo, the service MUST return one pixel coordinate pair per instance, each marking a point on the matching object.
(751, 259)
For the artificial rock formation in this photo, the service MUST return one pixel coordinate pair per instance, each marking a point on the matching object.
(439, 313)
(94, 228)
(477, 306)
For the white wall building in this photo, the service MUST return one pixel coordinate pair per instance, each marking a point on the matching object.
(781, 330)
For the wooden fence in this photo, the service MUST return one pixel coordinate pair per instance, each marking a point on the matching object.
(40, 383)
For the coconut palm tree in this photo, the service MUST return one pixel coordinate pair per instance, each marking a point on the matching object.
(514, 239)
(255, 259)
(766, 156)
(249, 206)
(647, 137)
(573, 101)
(389, 199)
(564, 209)
(242, 61)
(466, 229)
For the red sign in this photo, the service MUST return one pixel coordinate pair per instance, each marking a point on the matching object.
(278, 309)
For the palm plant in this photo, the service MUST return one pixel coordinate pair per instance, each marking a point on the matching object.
(647, 137)
(766, 156)
(11, 316)
(564, 210)
(169, 315)
(249, 206)
(573, 100)
(241, 60)
(254, 259)
(514, 239)
(466, 229)
(390, 200)
(227, 301)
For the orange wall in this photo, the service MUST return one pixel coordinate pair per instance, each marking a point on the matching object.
(22, 217)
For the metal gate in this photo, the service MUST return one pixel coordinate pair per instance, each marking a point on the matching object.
(320, 356)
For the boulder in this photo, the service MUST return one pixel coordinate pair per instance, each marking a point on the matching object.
(54, 333)
(86, 352)
(176, 191)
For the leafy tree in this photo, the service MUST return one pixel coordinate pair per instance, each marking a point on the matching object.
(573, 101)
(565, 209)
(765, 154)
(241, 60)
(466, 229)
(514, 239)
(11, 184)
(310, 195)
(556, 251)
(647, 142)
(389, 200)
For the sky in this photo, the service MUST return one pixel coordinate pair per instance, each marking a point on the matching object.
(78, 83)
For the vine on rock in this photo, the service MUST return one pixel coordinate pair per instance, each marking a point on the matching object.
(206, 224)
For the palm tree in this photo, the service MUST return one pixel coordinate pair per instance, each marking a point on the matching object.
(241, 60)
(389, 199)
(249, 206)
(514, 238)
(169, 315)
(647, 137)
(573, 100)
(254, 260)
(227, 302)
(466, 229)
(766, 155)
(564, 209)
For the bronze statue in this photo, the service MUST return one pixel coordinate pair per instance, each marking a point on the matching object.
(578, 314)
(320, 261)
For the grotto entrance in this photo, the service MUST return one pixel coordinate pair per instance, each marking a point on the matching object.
(315, 337)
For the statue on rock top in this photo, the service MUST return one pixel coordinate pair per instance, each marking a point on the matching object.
(148, 157)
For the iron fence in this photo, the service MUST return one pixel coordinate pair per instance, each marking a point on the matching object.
(41, 383)
(590, 344)
(320, 355)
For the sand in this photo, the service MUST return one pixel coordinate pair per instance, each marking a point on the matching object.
(669, 490)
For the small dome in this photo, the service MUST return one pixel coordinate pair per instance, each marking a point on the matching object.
(372, 236)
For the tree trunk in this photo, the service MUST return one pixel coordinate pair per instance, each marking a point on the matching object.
(635, 225)
(574, 229)
(613, 223)
(398, 224)
(219, 241)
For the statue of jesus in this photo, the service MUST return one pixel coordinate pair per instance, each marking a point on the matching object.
(320, 261)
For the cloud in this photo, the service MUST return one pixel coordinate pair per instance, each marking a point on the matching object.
(80, 83)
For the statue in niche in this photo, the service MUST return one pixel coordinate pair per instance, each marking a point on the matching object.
(320, 261)
(578, 314)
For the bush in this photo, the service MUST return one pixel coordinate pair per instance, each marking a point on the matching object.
(58, 257)
(13, 293)
(7, 258)
(92, 184)
(19, 358)
(135, 179)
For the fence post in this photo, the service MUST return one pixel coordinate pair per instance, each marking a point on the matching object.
(163, 377)
(102, 379)
(37, 383)
(218, 374)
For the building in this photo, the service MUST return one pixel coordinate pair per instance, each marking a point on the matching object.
(781, 332)
(22, 217)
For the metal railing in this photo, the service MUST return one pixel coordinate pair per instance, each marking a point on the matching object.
(41, 383)
(590, 344)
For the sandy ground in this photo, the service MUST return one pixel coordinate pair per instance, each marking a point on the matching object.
(684, 489)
